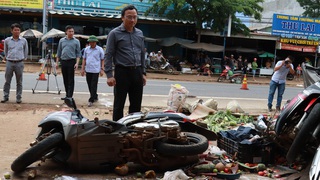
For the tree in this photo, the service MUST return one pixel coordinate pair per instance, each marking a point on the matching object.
(213, 12)
(311, 7)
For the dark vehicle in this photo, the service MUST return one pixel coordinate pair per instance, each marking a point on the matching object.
(298, 123)
(92, 145)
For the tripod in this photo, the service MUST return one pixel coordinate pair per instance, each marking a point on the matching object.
(49, 64)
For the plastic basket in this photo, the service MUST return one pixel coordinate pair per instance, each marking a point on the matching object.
(261, 152)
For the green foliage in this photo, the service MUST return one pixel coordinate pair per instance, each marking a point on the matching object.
(311, 7)
(214, 11)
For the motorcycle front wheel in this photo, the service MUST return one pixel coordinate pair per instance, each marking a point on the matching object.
(304, 134)
(197, 144)
(36, 152)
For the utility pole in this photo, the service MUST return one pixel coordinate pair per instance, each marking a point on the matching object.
(224, 35)
(44, 25)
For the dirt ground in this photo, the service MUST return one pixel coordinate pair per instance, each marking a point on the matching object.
(19, 127)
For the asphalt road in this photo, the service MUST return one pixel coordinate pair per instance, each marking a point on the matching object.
(155, 92)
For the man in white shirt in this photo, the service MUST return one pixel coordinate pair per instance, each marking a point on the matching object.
(278, 81)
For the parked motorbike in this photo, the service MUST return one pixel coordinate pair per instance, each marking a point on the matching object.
(91, 145)
(227, 74)
(163, 65)
(298, 123)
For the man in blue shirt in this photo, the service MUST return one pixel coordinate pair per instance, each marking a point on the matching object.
(92, 65)
(15, 51)
(278, 81)
(68, 53)
(125, 49)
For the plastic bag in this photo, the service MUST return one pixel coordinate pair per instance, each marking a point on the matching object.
(234, 107)
(177, 96)
(175, 175)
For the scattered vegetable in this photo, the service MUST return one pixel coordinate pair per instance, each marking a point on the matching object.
(204, 168)
(150, 174)
(7, 175)
(139, 175)
(261, 173)
(220, 166)
(121, 170)
(261, 167)
(222, 120)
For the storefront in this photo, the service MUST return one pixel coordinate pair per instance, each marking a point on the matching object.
(299, 35)
(88, 18)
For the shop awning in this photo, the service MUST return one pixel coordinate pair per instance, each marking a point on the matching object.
(204, 47)
(170, 41)
(241, 50)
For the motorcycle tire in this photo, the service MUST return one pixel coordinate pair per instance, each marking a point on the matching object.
(36, 152)
(197, 145)
(290, 77)
(237, 80)
(221, 78)
(170, 70)
(308, 126)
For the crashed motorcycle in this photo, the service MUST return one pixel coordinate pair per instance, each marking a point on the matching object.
(227, 74)
(298, 122)
(97, 145)
(185, 122)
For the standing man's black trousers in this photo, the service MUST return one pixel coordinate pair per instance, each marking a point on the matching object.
(129, 80)
(92, 81)
(67, 69)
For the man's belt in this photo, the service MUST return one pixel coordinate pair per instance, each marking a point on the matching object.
(68, 59)
(15, 61)
(128, 67)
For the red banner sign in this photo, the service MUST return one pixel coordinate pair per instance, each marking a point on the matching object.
(298, 48)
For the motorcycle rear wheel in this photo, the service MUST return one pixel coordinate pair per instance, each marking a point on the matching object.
(170, 70)
(300, 139)
(36, 152)
(197, 145)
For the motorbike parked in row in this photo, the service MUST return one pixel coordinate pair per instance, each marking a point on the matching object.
(227, 74)
(92, 145)
(298, 124)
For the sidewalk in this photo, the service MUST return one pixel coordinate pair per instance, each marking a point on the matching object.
(260, 80)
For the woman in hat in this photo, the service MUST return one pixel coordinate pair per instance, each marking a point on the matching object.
(92, 66)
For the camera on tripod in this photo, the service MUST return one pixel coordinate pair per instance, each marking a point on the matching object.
(49, 66)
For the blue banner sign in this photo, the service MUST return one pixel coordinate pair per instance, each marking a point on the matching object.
(296, 27)
(100, 6)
